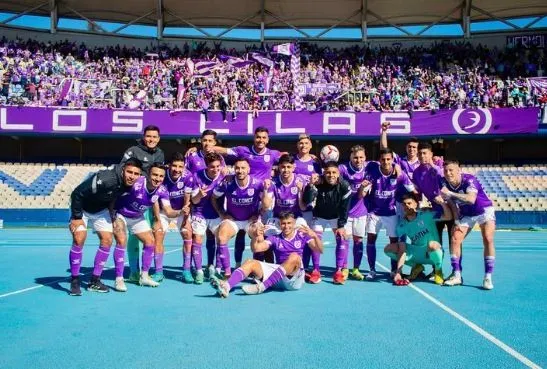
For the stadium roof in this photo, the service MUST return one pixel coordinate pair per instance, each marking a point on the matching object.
(296, 14)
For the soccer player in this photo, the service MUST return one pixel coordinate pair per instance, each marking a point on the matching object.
(130, 208)
(261, 160)
(90, 201)
(332, 198)
(148, 152)
(196, 162)
(287, 273)
(385, 181)
(474, 207)
(244, 196)
(179, 183)
(409, 162)
(423, 245)
(307, 166)
(204, 216)
(354, 173)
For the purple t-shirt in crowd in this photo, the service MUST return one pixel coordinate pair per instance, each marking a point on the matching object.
(241, 202)
(178, 188)
(204, 209)
(283, 247)
(469, 184)
(134, 203)
(354, 177)
(196, 162)
(261, 163)
(381, 200)
(286, 195)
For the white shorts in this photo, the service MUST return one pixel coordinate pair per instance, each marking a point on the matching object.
(100, 222)
(293, 283)
(165, 221)
(273, 226)
(375, 223)
(237, 225)
(201, 225)
(135, 225)
(469, 222)
(356, 226)
(320, 224)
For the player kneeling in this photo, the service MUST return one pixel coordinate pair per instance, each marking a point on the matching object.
(288, 273)
(419, 227)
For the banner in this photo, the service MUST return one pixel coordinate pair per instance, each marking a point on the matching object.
(94, 122)
(318, 88)
(526, 41)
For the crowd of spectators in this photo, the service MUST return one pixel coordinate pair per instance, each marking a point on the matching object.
(359, 78)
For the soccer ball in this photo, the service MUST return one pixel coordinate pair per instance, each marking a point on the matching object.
(329, 153)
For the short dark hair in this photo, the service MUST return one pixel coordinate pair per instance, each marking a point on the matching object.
(425, 146)
(177, 157)
(241, 158)
(330, 164)
(385, 151)
(286, 158)
(209, 132)
(451, 161)
(211, 157)
(133, 162)
(413, 140)
(151, 128)
(285, 215)
(261, 129)
(410, 195)
(156, 164)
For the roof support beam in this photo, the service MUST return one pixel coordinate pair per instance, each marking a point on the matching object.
(440, 19)
(488, 14)
(134, 21)
(287, 23)
(534, 22)
(238, 24)
(337, 23)
(14, 17)
(161, 20)
(188, 23)
(389, 23)
(364, 28)
(262, 17)
(466, 18)
(93, 23)
(53, 16)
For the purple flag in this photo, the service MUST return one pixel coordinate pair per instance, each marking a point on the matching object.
(285, 49)
(65, 87)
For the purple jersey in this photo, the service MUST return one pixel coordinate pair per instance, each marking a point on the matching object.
(178, 188)
(242, 203)
(283, 247)
(306, 168)
(381, 200)
(196, 162)
(134, 203)
(354, 177)
(470, 184)
(204, 209)
(286, 195)
(261, 164)
(407, 166)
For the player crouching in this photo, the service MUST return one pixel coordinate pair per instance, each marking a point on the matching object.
(288, 273)
(423, 246)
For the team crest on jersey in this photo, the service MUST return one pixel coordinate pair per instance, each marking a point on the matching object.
(250, 191)
(155, 198)
(180, 185)
(421, 223)
(297, 244)
(294, 190)
(393, 181)
(267, 158)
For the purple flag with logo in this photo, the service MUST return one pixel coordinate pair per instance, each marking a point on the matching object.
(285, 49)
(81, 122)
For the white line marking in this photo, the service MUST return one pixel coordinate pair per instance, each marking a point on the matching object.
(58, 280)
(523, 359)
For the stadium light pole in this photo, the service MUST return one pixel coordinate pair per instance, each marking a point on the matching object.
(53, 16)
